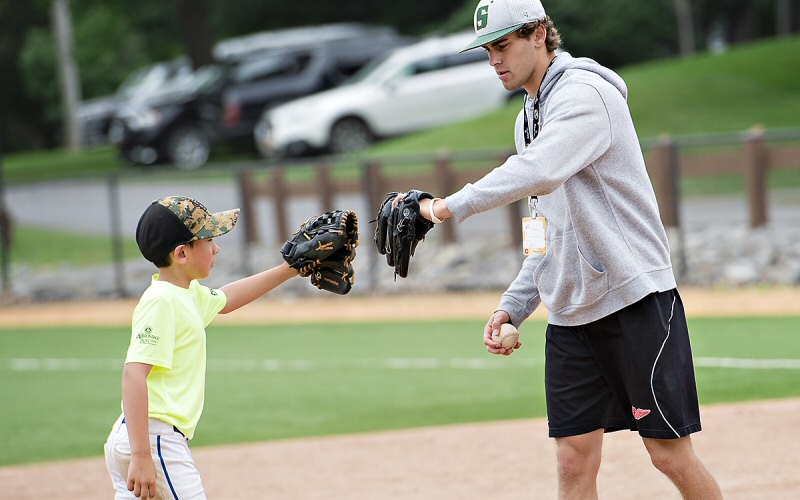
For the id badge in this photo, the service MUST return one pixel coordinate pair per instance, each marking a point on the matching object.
(533, 235)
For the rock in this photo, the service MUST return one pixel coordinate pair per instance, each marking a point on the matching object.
(711, 255)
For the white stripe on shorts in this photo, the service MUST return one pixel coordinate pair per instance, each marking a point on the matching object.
(652, 373)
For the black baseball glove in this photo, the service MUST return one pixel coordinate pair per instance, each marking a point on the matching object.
(324, 249)
(335, 274)
(400, 229)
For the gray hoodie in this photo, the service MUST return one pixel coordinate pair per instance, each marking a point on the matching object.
(606, 246)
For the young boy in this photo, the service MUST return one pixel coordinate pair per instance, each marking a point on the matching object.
(163, 381)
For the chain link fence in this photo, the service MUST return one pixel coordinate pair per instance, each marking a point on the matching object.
(715, 243)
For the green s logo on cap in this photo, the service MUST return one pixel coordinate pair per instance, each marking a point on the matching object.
(482, 17)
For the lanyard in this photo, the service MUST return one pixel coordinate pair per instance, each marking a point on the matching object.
(531, 131)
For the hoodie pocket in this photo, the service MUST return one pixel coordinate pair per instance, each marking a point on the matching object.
(566, 279)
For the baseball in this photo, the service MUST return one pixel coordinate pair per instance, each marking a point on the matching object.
(508, 336)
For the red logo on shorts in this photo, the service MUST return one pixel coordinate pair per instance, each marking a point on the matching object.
(639, 414)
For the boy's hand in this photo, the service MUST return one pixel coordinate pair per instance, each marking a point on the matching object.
(142, 477)
(324, 249)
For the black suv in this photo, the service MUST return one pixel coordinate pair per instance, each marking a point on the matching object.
(95, 115)
(221, 103)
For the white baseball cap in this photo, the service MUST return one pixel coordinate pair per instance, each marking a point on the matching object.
(497, 18)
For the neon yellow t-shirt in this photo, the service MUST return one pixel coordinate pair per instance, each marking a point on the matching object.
(168, 332)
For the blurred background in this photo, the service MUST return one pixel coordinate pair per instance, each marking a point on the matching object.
(289, 109)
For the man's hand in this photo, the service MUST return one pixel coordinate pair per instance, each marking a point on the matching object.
(493, 325)
(400, 226)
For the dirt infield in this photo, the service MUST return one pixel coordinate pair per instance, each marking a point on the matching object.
(698, 302)
(751, 448)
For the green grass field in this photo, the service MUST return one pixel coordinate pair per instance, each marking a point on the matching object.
(61, 388)
(44, 247)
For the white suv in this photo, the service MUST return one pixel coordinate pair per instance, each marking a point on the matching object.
(417, 86)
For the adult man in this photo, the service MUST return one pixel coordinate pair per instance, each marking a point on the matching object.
(617, 347)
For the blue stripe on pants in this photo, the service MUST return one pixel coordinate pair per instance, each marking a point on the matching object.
(164, 467)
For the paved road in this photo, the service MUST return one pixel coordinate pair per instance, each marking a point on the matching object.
(86, 207)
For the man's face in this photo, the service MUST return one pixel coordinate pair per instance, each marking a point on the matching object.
(513, 59)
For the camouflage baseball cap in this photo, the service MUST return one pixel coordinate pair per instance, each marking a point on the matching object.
(175, 220)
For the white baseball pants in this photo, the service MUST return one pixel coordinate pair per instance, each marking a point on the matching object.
(177, 477)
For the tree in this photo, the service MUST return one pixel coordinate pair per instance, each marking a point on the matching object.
(683, 13)
(616, 32)
(787, 16)
(195, 32)
(69, 77)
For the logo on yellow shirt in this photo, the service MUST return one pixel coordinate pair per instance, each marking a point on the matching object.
(146, 336)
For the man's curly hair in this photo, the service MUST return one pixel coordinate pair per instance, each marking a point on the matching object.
(553, 38)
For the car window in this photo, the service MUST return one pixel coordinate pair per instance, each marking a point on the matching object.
(468, 57)
(139, 78)
(348, 69)
(424, 66)
(370, 71)
(340, 72)
(396, 64)
(270, 67)
(200, 80)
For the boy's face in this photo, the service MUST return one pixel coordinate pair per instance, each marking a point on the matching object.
(200, 257)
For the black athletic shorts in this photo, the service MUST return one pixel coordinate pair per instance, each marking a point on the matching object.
(630, 370)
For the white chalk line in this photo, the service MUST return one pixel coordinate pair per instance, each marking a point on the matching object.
(748, 364)
(277, 365)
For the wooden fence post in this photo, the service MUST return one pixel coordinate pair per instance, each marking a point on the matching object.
(373, 184)
(246, 200)
(278, 191)
(6, 233)
(664, 171)
(374, 192)
(116, 235)
(755, 175)
(445, 183)
(325, 186)
(516, 211)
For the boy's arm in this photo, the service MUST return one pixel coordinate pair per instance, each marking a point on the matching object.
(142, 470)
(246, 290)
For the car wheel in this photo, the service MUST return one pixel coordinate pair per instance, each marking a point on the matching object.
(188, 148)
(350, 134)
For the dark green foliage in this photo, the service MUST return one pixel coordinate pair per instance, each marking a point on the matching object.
(616, 32)
(114, 38)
